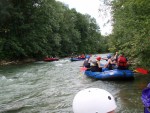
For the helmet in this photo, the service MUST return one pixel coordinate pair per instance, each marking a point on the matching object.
(87, 56)
(109, 56)
(98, 58)
(93, 100)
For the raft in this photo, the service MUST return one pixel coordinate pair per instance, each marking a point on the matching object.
(111, 74)
(77, 59)
(50, 59)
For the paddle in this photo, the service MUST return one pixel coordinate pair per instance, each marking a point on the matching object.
(83, 69)
(141, 70)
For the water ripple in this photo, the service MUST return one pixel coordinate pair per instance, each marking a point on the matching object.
(49, 87)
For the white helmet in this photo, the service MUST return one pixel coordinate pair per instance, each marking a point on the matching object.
(93, 100)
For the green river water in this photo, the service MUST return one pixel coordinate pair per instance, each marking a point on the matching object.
(49, 87)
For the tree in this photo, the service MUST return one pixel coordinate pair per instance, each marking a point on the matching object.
(131, 29)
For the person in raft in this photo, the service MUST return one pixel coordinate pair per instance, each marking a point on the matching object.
(93, 100)
(122, 62)
(95, 65)
(81, 56)
(110, 64)
(86, 62)
(115, 58)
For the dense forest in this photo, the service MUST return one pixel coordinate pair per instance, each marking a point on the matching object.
(37, 28)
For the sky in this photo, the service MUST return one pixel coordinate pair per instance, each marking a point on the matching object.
(91, 7)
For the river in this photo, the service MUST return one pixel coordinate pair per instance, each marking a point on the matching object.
(49, 87)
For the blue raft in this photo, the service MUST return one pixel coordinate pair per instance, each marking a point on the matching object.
(111, 74)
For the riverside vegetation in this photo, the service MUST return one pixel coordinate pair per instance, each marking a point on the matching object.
(36, 28)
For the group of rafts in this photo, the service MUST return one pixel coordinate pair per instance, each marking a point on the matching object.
(107, 74)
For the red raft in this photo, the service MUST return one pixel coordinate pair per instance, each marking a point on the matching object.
(51, 59)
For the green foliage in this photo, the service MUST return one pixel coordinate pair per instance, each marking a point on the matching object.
(36, 28)
(131, 29)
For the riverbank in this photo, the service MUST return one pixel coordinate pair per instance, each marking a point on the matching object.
(4, 62)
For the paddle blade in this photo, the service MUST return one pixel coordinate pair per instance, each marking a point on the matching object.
(141, 70)
(83, 69)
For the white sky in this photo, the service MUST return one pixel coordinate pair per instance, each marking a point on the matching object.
(91, 7)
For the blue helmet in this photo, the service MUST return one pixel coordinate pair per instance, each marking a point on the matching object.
(87, 56)
(109, 56)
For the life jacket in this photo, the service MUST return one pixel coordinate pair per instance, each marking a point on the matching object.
(122, 61)
(82, 56)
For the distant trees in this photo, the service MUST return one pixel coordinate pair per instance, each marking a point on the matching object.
(36, 28)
